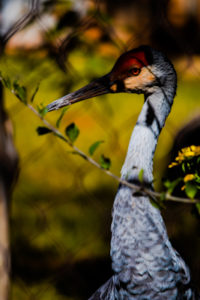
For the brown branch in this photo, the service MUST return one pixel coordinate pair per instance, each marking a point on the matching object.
(137, 188)
(23, 21)
(141, 189)
(8, 173)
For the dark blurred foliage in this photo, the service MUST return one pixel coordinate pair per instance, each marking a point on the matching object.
(159, 20)
(188, 135)
(74, 279)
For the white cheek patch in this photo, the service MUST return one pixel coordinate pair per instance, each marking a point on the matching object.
(138, 82)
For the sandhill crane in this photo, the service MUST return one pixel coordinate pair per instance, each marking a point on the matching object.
(144, 263)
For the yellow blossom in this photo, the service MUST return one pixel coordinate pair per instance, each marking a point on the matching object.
(189, 153)
(196, 149)
(185, 153)
(189, 177)
(173, 164)
(183, 188)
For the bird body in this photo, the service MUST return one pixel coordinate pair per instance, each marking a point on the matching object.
(144, 262)
(146, 267)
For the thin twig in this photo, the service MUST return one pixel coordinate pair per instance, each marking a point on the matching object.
(135, 187)
(23, 21)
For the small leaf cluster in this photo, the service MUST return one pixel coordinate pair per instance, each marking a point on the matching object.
(104, 161)
(71, 131)
(20, 92)
(17, 89)
(42, 110)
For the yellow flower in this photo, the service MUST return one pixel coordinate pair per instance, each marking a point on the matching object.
(196, 150)
(189, 177)
(190, 151)
(173, 164)
(185, 153)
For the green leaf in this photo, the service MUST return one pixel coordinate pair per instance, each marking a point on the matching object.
(105, 162)
(43, 130)
(42, 110)
(94, 146)
(188, 164)
(198, 208)
(183, 167)
(7, 83)
(163, 196)
(72, 132)
(155, 204)
(20, 92)
(197, 178)
(35, 92)
(61, 116)
(170, 185)
(167, 183)
(140, 176)
(190, 189)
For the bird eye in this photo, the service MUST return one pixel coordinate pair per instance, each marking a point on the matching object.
(134, 71)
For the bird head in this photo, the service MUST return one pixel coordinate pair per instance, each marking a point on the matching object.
(141, 70)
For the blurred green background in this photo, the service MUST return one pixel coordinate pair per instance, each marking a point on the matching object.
(61, 205)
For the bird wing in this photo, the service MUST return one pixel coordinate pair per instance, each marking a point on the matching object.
(105, 292)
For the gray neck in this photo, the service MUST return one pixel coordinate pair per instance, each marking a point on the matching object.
(145, 136)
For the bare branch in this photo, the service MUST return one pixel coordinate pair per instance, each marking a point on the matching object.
(138, 188)
(22, 22)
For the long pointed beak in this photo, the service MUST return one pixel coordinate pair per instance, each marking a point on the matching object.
(95, 88)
